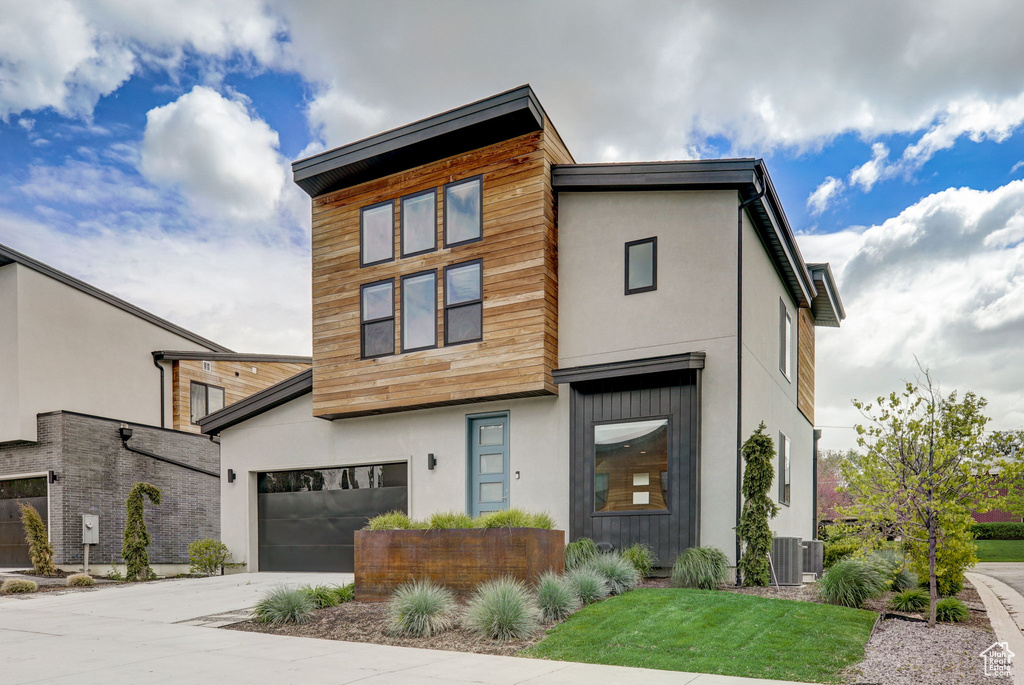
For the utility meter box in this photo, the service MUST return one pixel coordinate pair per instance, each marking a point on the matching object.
(90, 529)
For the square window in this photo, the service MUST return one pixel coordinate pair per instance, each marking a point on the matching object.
(204, 399)
(377, 233)
(631, 466)
(641, 266)
(463, 221)
(490, 492)
(419, 223)
(492, 463)
(492, 435)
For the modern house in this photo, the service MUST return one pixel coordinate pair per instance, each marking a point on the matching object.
(78, 366)
(496, 325)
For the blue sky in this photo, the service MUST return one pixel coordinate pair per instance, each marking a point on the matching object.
(145, 148)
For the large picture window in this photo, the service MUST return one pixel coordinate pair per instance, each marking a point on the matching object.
(463, 222)
(631, 465)
(419, 311)
(377, 317)
(419, 223)
(784, 468)
(377, 233)
(204, 399)
(641, 266)
(463, 303)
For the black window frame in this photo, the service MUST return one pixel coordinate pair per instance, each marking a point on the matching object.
(479, 301)
(786, 340)
(654, 265)
(785, 452)
(401, 223)
(363, 322)
(444, 220)
(362, 233)
(206, 394)
(668, 466)
(401, 301)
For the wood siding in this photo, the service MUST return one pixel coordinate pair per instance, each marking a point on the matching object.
(805, 363)
(235, 377)
(520, 290)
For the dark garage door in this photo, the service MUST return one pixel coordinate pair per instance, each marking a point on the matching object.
(13, 548)
(307, 519)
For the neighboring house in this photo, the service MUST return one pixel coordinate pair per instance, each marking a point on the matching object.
(495, 325)
(77, 364)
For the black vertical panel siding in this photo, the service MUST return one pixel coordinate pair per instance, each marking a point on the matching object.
(673, 394)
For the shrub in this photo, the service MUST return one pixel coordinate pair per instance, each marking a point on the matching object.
(17, 586)
(588, 585)
(421, 609)
(40, 551)
(701, 567)
(850, 582)
(515, 518)
(910, 600)
(758, 508)
(283, 605)
(1010, 530)
(344, 593)
(392, 520)
(450, 520)
(80, 580)
(113, 573)
(556, 597)
(207, 557)
(837, 549)
(893, 567)
(503, 609)
(904, 580)
(579, 552)
(951, 610)
(618, 572)
(322, 596)
(947, 586)
(136, 537)
(641, 556)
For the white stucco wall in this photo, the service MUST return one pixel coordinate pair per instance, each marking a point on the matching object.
(10, 419)
(75, 352)
(767, 394)
(289, 437)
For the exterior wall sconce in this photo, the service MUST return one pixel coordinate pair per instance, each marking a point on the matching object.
(431, 462)
(231, 475)
(126, 433)
(51, 477)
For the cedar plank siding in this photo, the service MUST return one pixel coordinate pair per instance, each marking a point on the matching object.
(223, 375)
(805, 364)
(520, 289)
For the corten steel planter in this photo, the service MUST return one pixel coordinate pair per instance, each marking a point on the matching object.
(458, 559)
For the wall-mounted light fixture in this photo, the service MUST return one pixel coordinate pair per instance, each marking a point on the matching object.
(431, 462)
(231, 475)
(51, 477)
(126, 433)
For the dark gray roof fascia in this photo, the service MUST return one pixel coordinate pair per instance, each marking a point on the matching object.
(287, 390)
(632, 367)
(172, 355)
(484, 122)
(828, 306)
(746, 175)
(8, 256)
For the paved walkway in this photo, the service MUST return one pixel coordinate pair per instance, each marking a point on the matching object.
(146, 633)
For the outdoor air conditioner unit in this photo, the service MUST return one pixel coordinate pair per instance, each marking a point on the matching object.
(814, 557)
(787, 560)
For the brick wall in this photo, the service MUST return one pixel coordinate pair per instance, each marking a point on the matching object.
(95, 474)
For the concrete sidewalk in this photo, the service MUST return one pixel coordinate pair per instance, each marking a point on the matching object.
(1005, 607)
(140, 633)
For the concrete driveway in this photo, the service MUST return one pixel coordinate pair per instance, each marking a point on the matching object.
(1011, 573)
(152, 633)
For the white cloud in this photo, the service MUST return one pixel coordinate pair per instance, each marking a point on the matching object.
(819, 200)
(1017, 166)
(87, 184)
(224, 161)
(869, 173)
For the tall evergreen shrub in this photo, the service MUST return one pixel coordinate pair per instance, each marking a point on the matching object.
(136, 537)
(40, 551)
(758, 508)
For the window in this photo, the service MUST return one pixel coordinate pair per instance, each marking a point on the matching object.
(377, 233)
(204, 399)
(631, 466)
(419, 223)
(641, 266)
(419, 311)
(784, 470)
(377, 314)
(462, 218)
(785, 340)
(463, 303)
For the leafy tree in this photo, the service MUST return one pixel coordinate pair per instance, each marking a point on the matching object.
(830, 483)
(758, 508)
(922, 470)
(40, 551)
(136, 537)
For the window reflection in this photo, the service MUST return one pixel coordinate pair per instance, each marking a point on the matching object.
(419, 311)
(462, 221)
(631, 466)
(378, 237)
(345, 478)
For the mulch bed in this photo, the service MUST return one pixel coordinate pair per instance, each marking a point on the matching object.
(57, 574)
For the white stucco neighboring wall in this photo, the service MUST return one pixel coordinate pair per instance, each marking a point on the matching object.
(10, 419)
(289, 437)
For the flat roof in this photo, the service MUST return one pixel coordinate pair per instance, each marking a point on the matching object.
(175, 355)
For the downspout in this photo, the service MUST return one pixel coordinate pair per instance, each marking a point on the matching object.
(739, 366)
(158, 365)
(814, 495)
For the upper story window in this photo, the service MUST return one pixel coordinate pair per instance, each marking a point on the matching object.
(377, 233)
(784, 468)
(463, 302)
(419, 223)
(641, 266)
(204, 399)
(785, 340)
(419, 311)
(463, 222)
(377, 318)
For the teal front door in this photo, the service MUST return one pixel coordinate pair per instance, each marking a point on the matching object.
(488, 463)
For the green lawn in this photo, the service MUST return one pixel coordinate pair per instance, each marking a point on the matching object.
(1000, 550)
(708, 631)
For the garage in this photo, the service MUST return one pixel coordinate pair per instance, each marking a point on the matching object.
(32, 491)
(307, 518)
